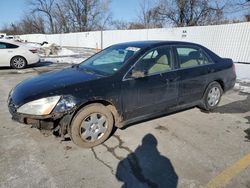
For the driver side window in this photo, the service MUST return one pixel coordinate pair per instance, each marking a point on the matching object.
(156, 61)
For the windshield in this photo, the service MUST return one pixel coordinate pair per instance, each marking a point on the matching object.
(109, 60)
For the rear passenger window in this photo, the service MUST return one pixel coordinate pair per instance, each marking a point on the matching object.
(10, 46)
(191, 57)
(156, 61)
(4, 45)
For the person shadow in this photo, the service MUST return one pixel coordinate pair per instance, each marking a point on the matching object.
(146, 167)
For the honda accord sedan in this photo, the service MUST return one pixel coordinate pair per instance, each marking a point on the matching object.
(121, 85)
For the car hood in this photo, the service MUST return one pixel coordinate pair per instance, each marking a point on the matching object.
(61, 82)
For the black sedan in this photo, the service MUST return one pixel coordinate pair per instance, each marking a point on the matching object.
(122, 84)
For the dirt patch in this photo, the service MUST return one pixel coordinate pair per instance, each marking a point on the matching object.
(162, 128)
(248, 118)
(67, 147)
(247, 131)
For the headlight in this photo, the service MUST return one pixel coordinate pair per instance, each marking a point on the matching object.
(65, 104)
(10, 94)
(42, 106)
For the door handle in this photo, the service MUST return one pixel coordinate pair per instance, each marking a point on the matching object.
(10, 51)
(169, 80)
(211, 70)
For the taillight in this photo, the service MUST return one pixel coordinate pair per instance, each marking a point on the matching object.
(33, 51)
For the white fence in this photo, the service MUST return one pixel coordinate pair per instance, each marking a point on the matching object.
(232, 40)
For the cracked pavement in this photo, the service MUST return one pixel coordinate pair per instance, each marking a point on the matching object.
(185, 149)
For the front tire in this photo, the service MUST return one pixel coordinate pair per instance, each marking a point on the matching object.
(212, 96)
(18, 62)
(91, 126)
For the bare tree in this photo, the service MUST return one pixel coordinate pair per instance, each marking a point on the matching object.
(119, 24)
(148, 14)
(237, 6)
(46, 8)
(39, 24)
(31, 24)
(136, 25)
(55, 16)
(61, 17)
(86, 15)
(190, 12)
(237, 11)
(26, 25)
(72, 15)
(245, 6)
(12, 29)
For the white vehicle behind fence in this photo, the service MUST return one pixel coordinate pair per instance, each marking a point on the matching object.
(17, 55)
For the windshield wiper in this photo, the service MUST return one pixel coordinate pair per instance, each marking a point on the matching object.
(74, 66)
(90, 71)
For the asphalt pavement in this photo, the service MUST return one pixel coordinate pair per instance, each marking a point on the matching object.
(187, 149)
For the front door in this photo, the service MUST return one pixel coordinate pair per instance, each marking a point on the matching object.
(155, 90)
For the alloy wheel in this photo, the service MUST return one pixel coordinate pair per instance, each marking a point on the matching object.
(214, 96)
(93, 127)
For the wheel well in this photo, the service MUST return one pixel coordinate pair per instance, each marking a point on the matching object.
(219, 81)
(105, 103)
(221, 84)
(109, 105)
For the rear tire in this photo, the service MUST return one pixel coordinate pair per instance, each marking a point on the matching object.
(212, 97)
(18, 62)
(91, 126)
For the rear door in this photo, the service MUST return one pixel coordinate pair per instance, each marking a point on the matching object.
(6, 53)
(193, 67)
(157, 90)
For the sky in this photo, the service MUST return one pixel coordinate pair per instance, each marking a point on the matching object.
(125, 9)
(12, 10)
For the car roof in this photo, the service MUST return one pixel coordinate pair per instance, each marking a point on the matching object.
(17, 43)
(10, 42)
(154, 43)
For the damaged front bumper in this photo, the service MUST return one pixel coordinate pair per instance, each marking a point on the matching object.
(57, 122)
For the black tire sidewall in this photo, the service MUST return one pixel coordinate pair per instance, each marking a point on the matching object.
(205, 101)
(81, 115)
(12, 62)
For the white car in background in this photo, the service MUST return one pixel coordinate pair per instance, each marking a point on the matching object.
(17, 55)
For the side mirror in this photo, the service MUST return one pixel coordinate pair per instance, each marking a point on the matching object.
(138, 73)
